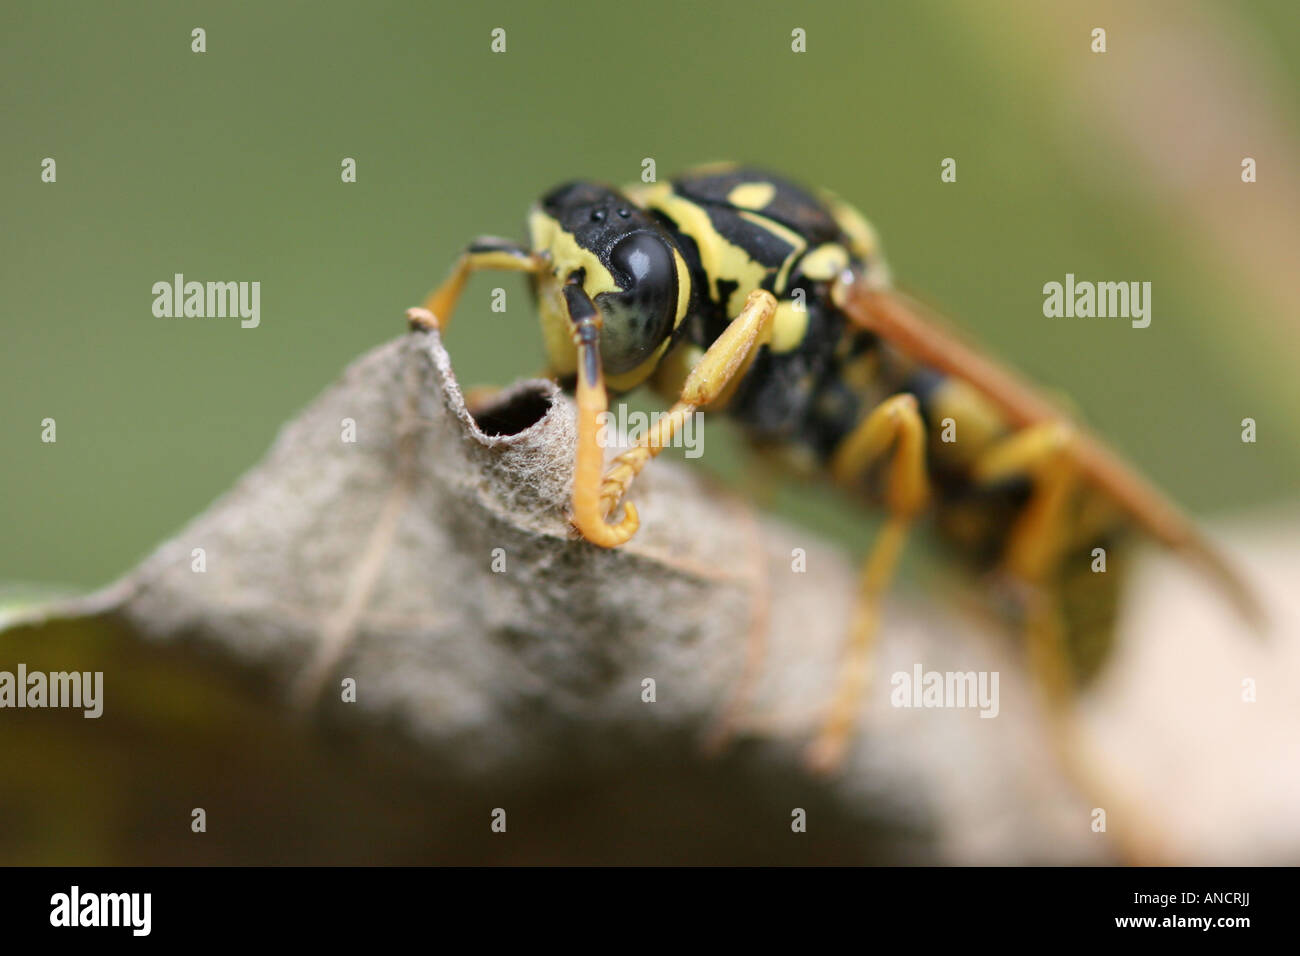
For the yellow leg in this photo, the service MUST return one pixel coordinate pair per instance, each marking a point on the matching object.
(719, 367)
(895, 424)
(1037, 542)
(1033, 555)
(1042, 452)
(1036, 545)
(485, 252)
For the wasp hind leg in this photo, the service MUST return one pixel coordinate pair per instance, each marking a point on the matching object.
(720, 367)
(486, 252)
(895, 425)
(1033, 557)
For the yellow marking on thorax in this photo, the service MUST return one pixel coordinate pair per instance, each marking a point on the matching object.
(789, 326)
(640, 193)
(797, 242)
(719, 258)
(863, 240)
(978, 422)
(866, 243)
(825, 262)
(752, 196)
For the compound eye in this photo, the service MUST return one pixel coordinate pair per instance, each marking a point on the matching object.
(640, 316)
(644, 261)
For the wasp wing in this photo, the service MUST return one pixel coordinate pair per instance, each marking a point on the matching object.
(917, 332)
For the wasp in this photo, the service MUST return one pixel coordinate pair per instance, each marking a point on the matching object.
(731, 289)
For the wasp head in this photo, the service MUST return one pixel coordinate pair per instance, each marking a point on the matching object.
(625, 262)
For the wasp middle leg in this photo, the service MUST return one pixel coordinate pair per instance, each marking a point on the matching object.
(894, 425)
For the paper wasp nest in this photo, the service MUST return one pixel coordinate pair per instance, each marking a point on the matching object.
(498, 663)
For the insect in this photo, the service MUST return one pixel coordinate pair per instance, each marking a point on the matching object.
(732, 289)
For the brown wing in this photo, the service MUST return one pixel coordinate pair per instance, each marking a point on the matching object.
(899, 320)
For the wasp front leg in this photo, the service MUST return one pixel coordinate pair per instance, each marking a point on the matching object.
(486, 252)
(719, 367)
(893, 426)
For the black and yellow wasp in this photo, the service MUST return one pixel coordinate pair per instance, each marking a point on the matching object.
(729, 288)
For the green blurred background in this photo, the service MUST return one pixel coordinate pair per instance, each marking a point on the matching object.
(226, 166)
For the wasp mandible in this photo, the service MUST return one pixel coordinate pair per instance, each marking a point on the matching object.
(729, 288)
